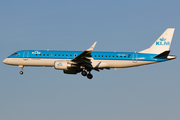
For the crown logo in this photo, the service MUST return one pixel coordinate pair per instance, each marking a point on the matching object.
(162, 39)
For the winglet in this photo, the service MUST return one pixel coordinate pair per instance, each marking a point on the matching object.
(86, 54)
(92, 47)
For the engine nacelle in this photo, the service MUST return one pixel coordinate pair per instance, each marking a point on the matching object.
(61, 65)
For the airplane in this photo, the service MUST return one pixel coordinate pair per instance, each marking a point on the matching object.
(73, 62)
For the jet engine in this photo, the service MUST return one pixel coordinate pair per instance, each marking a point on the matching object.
(63, 65)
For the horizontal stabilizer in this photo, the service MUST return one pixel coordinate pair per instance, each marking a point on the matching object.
(163, 54)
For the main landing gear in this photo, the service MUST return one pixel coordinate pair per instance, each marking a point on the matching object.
(83, 73)
(89, 75)
(21, 66)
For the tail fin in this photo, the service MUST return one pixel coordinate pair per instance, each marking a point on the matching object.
(162, 43)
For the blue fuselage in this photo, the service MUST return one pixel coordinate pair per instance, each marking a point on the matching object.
(96, 55)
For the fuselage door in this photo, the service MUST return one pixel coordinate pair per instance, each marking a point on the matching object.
(134, 57)
(25, 55)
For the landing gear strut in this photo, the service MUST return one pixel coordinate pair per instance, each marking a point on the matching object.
(21, 66)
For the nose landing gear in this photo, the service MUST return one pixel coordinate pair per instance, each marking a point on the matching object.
(21, 66)
(21, 72)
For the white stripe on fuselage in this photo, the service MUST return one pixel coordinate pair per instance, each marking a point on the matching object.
(95, 63)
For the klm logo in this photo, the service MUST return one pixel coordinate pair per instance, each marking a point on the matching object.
(60, 64)
(36, 52)
(162, 42)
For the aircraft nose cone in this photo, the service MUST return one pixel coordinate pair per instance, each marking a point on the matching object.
(5, 61)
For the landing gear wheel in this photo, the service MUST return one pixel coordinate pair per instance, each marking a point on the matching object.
(83, 73)
(89, 76)
(21, 72)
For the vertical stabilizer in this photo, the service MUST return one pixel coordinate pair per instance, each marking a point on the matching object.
(162, 43)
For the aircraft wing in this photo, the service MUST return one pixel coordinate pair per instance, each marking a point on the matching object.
(85, 57)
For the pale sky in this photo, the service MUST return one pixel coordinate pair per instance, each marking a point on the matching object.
(149, 92)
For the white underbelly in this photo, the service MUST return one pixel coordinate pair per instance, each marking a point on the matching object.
(119, 63)
(95, 63)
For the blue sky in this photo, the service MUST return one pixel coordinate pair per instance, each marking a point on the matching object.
(142, 93)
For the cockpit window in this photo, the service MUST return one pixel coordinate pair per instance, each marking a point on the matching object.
(14, 54)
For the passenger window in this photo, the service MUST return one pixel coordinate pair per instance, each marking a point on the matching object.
(47, 54)
(59, 55)
(51, 54)
(106, 56)
(129, 56)
(102, 55)
(116, 56)
(109, 56)
(124, 56)
(39, 54)
(55, 55)
(43, 54)
(70, 55)
(95, 56)
(113, 56)
(98, 55)
(63, 55)
(36, 54)
(66, 55)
